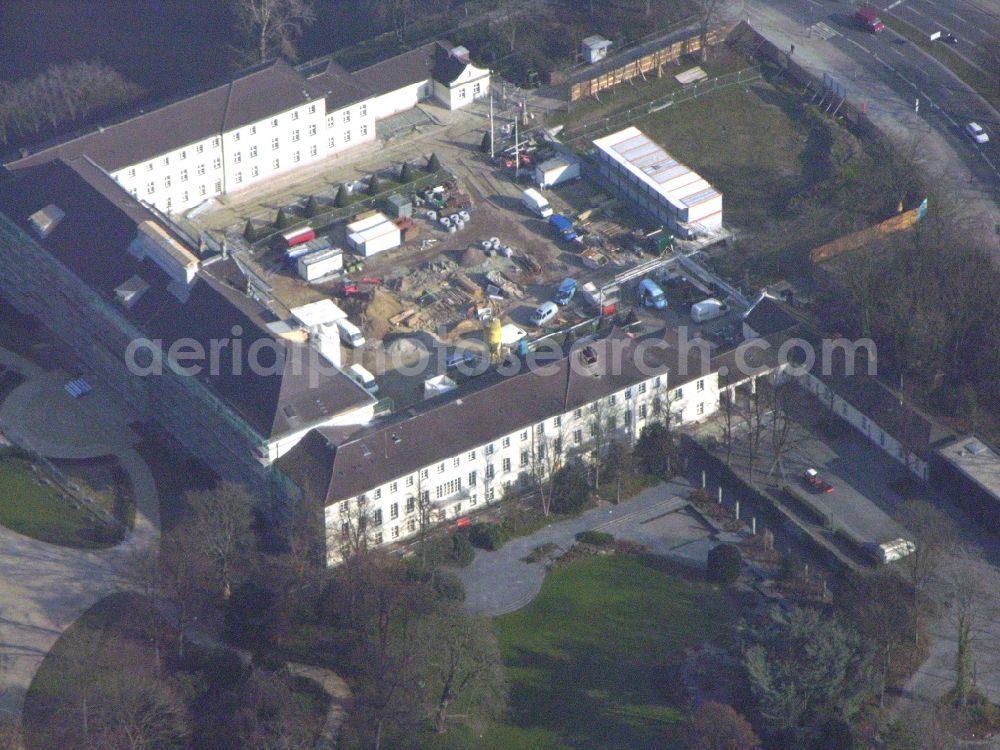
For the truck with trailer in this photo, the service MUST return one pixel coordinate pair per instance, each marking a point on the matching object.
(562, 227)
(350, 334)
(537, 203)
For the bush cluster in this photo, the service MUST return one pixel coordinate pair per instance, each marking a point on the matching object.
(488, 535)
(596, 538)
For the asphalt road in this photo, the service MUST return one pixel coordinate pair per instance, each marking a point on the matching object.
(945, 103)
(975, 23)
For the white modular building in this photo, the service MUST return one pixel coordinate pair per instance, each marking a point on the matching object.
(654, 181)
(320, 263)
(373, 234)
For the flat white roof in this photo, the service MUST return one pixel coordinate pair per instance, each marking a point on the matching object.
(655, 167)
(369, 221)
(317, 313)
(976, 460)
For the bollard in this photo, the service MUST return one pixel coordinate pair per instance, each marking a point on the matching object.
(737, 510)
(703, 482)
(720, 495)
(753, 525)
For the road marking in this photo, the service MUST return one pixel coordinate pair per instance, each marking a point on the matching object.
(822, 31)
(893, 5)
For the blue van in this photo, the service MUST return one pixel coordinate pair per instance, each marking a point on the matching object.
(651, 295)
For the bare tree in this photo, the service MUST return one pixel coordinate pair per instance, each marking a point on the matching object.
(780, 429)
(934, 536)
(969, 588)
(11, 736)
(727, 400)
(754, 413)
(222, 526)
(460, 666)
(274, 26)
(356, 529)
(600, 437)
(708, 16)
(183, 574)
(546, 460)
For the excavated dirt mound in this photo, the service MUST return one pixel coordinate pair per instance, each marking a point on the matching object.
(473, 257)
(383, 305)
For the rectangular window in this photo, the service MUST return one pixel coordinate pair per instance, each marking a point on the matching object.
(237, 157)
(409, 481)
(628, 394)
(411, 504)
(295, 114)
(200, 148)
(184, 175)
(201, 170)
(506, 466)
(577, 413)
(642, 411)
(215, 142)
(276, 164)
(378, 493)
(701, 409)
(700, 385)
(505, 443)
(296, 158)
(395, 532)
(312, 129)
(184, 196)
(456, 462)
(472, 455)
(274, 144)
(274, 122)
(679, 393)
(641, 388)
(411, 525)
(331, 121)
(577, 436)
(254, 171)
(393, 487)
(489, 449)
(150, 187)
(295, 136)
(131, 172)
(524, 435)
(329, 142)
(312, 109)
(477, 89)
(394, 510)
(313, 150)
(525, 457)
(472, 478)
(216, 163)
(149, 167)
(449, 488)
(377, 517)
(377, 538)
(253, 151)
(612, 399)
(347, 136)
(202, 190)
(461, 93)
(441, 468)
(424, 473)
(166, 181)
(656, 382)
(166, 161)
(236, 136)
(363, 110)
(489, 471)
(363, 131)
(218, 186)
(238, 178)
(347, 116)
(184, 155)
(540, 428)
(557, 422)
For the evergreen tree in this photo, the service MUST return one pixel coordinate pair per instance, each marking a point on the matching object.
(342, 199)
(406, 173)
(484, 145)
(374, 185)
(250, 232)
(282, 220)
(312, 207)
(433, 164)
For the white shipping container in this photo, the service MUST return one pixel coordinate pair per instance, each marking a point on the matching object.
(556, 171)
(375, 239)
(319, 264)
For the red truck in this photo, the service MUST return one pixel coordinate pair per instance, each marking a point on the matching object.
(868, 19)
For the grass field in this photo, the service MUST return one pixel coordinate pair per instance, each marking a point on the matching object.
(791, 179)
(39, 511)
(588, 660)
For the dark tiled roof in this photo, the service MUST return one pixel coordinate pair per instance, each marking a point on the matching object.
(92, 241)
(402, 70)
(339, 87)
(493, 405)
(768, 316)
(254, 94)
(447, 68)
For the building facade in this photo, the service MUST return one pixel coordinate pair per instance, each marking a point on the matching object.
(267, 121)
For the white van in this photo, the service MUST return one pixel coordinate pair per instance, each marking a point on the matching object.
(363, 377)
(545, 312)
(350, 334)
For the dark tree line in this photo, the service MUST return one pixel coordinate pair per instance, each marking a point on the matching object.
(62, 97)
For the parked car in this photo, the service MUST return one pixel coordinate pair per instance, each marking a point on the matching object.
(867, 18)
(975, 131)
(545, 312)
(815, 482)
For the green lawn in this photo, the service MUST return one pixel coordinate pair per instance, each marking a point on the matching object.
(589, 660)
(39, 511)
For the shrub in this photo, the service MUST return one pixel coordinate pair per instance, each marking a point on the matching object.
(374, 185)
(724, 564)
(250, 232)
(448, 586)
(433, 164)
(282, 220)
(484, 145)
(462, 551)
(570, 489)
(596, 538)
(540, 552)
(342, 198)
(655, 450)
(406, 173)
(312, 207)
(248, 617)
(488, 535)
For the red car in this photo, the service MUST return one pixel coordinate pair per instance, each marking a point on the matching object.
(815, 482)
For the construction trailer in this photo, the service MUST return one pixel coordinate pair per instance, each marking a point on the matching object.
(373, 234)
(320, 263)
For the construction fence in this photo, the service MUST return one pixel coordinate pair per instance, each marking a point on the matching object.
(622, 119)
(651, 63)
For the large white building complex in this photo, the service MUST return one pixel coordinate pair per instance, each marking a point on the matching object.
(466, 448)
(266, 121)
(659, 184)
